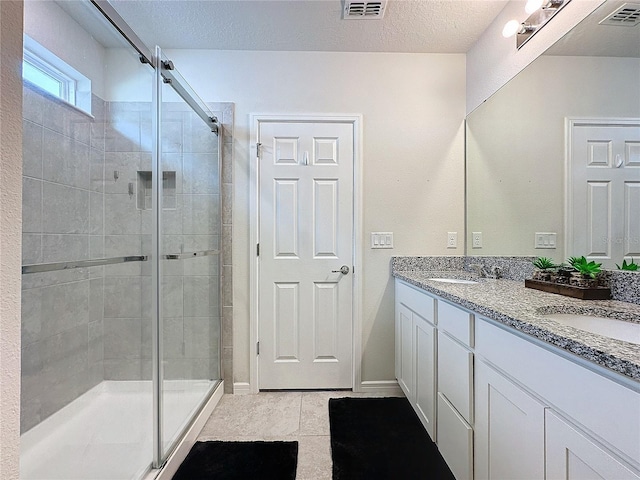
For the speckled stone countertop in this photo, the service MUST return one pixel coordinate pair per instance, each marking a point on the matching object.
(523, 309)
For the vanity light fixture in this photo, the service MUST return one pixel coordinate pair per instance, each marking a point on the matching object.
(540, 12)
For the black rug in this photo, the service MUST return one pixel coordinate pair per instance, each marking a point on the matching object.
(240, 461)
(381, 438)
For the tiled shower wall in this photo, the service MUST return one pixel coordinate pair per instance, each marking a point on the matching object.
(83, 326)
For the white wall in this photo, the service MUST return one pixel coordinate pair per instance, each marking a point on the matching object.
(493, 60)
(54, 29)
(413, 109)
(10, 235)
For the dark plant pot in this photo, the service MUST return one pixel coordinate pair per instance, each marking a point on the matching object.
(580, 280)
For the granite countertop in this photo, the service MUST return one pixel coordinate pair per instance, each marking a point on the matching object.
(510, 303)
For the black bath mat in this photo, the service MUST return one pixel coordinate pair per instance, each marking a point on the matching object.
(379, 439)
(240, 461)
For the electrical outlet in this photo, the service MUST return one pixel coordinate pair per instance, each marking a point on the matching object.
(452, 239)
(476, 240)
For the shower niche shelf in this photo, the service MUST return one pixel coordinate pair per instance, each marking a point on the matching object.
(145, 186)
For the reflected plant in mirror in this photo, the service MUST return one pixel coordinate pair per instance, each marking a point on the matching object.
(557, 150)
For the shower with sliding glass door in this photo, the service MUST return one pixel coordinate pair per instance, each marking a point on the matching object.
(122, 234)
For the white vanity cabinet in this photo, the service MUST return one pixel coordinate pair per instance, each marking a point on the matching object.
(540, 415)
(503, 405)
(416, 351)
(455, 388)
(509, 428)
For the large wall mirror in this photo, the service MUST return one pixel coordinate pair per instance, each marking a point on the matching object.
(557, 150)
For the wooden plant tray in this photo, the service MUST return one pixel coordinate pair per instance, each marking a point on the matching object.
(584, 293)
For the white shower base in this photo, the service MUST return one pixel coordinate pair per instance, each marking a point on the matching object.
(107, 433)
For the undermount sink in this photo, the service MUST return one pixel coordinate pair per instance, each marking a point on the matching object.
(452, 280)
(607, 327)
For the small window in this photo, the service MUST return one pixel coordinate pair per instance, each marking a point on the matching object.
(46, 71)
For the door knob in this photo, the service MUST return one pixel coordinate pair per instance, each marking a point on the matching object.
(343, 270)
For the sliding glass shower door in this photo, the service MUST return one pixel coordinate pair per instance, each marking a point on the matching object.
(190, 226)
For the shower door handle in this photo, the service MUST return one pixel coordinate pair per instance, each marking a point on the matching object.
(343, 270)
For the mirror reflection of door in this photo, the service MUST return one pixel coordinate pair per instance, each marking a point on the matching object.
(603, 188)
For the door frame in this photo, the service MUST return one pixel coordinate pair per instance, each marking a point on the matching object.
(254, 212)
(569, 124)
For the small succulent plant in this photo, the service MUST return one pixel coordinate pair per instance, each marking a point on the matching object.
(586, 268)
(544, 263)
(633, 266)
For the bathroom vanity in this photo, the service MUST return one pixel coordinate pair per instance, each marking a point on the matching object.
(506, 391)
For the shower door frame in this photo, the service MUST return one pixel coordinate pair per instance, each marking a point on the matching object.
(163, 74)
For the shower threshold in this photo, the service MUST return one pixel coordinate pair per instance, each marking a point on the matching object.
(107, 433)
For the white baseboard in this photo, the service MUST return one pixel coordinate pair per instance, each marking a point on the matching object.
(179, 454)
(382, 387)
(241, 388)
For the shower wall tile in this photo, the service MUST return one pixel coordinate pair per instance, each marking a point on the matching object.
(31, 248)
(45, 279)
(65, 248)
(96, 213)
(66, 307)
(31, 205)
(227, 246)
(172, 296)
(227, 327)
(173, 338)
(67, 120)
(96, 302)
(201, 214)
(122, 297)
(31, 325)
(227, 286)
(127, 165)
(65, 161)
(121, 216)
(122, 130)
(197, 135)
(200, 296)
(97, 172)
(65, 209)
(201, 173)
(227, 199)
(122, 338)
(171, 141)
(227, 163)
(32, 103)
(201, 336)
(31, 149)
(125, 369)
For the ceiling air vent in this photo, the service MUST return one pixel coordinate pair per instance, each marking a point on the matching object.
(364, 10)
(628, 15)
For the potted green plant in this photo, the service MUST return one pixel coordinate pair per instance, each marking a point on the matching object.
(586, 274)
(631, 267)
(545, 268)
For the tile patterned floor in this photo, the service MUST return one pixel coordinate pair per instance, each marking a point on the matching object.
(270, 416)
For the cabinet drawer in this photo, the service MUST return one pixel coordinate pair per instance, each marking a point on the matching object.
(455, 440)
(416, 300)
(455, 374)
(456, 322)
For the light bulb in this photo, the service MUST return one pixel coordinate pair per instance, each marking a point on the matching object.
(510, 28)
(532, 6)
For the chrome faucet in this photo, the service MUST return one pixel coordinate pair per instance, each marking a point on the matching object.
(481, 270)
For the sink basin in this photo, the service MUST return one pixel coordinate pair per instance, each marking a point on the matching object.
(452, 280)
(607, 327)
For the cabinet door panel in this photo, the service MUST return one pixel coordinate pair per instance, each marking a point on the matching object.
(407, 358)
(455, 440)
(425, 373)
(455, 374)
(571, 455)
(509, 429)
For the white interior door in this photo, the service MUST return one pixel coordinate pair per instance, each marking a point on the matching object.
(305, 303)
(604, 191)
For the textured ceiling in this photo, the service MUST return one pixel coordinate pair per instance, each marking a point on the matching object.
(588, 38)
(429, 26)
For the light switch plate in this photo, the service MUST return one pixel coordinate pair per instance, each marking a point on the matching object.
(546, 240)
(381, 239)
